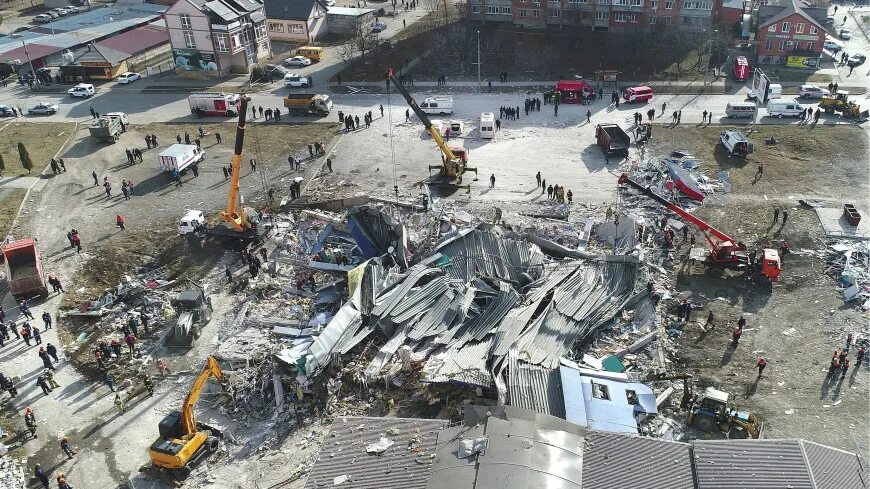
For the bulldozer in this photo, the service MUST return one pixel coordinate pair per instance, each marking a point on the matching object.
(183, 442)
(839, 102)
(711, 411)
(194, 312)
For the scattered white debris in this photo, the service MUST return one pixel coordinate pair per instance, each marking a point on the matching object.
(380, 446)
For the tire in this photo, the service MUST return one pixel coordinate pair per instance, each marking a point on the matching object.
(779, 116)
(180, 474)
(212, 444)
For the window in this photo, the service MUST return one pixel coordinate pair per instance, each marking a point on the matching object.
(221, 44)
(620, 2)
(185, 21)
(623, 17)
(666, 20)
(260, 30)
(524, 12)
(600, 391)
(275, 27)
(669, 4)
(188, 40)
(799, 28)
(604, 2)
(491, 10)
(602, 15)
(772, 28)
(631, 397)
(536, 13)
(506, 10)
(652, 19)
(783, 45)
(237, 40)
(810, 46)
(634, 3)
(654, 4)
(786, 27)
(554, 13)
(296, 28)
(578, 1)
(814, 29)
(475, 9)
(769, 45)
(695, 5)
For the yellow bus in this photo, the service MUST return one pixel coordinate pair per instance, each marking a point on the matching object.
(313, 53)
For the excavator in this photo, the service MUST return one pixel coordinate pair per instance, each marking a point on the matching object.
(839, 102)
(182, 442)
(237, 225)
(454, 159)
(712, 411)
(724, 250)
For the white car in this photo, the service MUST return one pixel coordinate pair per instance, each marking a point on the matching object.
(43, 18)
(83, 90)
(128, 77)
(296, 80)
(297, 61)
(813, 91)
(845, 34)
(72, 9)
(43, 108)
(59, 11)
(832, 45)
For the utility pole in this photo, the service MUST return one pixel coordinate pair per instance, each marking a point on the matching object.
(478, 60)
(32, 71)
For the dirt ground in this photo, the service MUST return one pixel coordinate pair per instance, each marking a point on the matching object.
(798, 322)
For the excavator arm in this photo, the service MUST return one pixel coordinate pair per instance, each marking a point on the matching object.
(703, 226)
(188, 420)
(235, 215)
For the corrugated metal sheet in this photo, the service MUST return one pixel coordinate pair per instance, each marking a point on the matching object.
(756, 464)
(535, 388)
(611, 460)
(484, 253)
(466, 365)
(405, 465)
(831, 468)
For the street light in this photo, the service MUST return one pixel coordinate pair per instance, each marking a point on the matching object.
(478, 60)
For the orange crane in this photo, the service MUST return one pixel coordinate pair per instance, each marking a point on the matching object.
(724, 250)
(455, 159)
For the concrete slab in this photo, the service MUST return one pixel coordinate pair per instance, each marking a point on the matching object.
(835, 225)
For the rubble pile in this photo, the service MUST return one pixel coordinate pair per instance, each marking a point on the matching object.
(849, 264)
(11, 471)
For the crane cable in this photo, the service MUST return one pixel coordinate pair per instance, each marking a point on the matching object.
(392, 147)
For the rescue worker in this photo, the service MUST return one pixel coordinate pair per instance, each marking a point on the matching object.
(119, 404)
(735, 336)
(49, 377)
(30, 422)
(762, 362)
(40, 475)
(146, 381)
(67, 449)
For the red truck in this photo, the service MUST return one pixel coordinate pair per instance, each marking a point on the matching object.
(612, 139)
(24, 272)
(741, 68)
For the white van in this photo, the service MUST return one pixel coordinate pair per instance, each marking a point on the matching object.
(774, 91)
(487, 125)
(741, 109)
(787, 108)
(438, 105)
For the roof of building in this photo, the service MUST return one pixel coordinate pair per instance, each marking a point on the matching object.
(349, 11)
(116, 49)
(616, 460)
(291, 9)
(534, 387)
(760, 464)
(834, 469)
(77, 30)
(773, 12)
(406, 447)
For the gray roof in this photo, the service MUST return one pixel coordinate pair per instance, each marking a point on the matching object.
(835, 469)
(404, 465)
(290, 9)
(756, 464)
(222, 10)
(613, 460)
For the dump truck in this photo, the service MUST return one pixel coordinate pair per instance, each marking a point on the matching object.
(612, 139)
(106, 129)
(308, 104)
(24, 273)
(194, 312)
(180, 157)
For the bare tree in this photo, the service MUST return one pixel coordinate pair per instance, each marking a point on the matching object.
(360, 42)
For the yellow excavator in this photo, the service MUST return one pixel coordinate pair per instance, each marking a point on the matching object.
(182, 443)
(454, 159)
(839, 102)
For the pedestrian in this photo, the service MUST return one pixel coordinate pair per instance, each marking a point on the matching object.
(46, 320)
(37, 336)
(131, 343)
(570, 196)
(146, 381)
(217, 137)
(52, 351)
(382, 110)
(735, 336)
(226, 173)
(538, 178)
(195, 169)
(148, 141)
(119, 221)
(93, 113)
(162, 367)
(859, 356)
(704, 116)
(261, 111)
(46, 358)
(845, 367)
(784, 217)
(588, 116)
(49, 377)
(550, 192)
(664, 106)
(25, 309)
(776, 215)
(679, 116)
(109, 380)
(40, 475)
(555, 110)
(41, 382)
(96, 181)
(67, 449)
(329, 164)
(543, 185)
(10, 386)
(253, 165)
(816, 116)
(492, 181)
(760, 172)
(253, 111)
(762, 362)
(30, 422)
(119, 404)
(178, 138)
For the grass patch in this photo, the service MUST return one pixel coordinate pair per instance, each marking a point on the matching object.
(10, 201)
(42, 140)
(799, 76)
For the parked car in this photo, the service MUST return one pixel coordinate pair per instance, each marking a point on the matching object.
(277, 71)
(297, 61)
(856, 60)
(6, 111)
(379, 26)
(83, 90)
(832, 45)
(59, 11)
(43, 108)
(43, 18)
(72, 9)
(812, 91)
(128, 77)
(295, 80)
(845, 34)
(53, 14)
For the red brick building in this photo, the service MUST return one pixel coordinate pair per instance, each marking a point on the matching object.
(792, 37)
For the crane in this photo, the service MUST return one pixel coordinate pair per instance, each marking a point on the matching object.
(455, 159)
(181, 442)
(235, 215)
(724, 250)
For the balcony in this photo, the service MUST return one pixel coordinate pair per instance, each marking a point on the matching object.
(626, 7)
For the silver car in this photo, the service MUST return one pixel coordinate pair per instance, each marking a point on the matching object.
(43, 108)
(813, 91)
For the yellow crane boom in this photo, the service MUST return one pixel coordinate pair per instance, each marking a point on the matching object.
(234, 215)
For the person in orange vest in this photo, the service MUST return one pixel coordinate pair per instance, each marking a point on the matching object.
(762, 362)
(119, 221)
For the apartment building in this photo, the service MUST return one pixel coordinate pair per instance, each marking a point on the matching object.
(599, 15)
(218, 36)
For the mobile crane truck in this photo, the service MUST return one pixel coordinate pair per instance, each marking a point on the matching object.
(455, 160)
